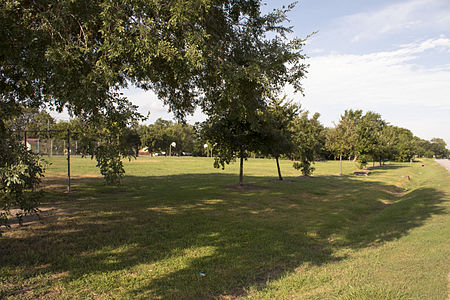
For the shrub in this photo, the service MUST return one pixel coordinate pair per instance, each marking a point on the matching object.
(362, 161)
(20, 174)
(304, 167)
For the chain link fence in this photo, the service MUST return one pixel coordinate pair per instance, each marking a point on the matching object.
(50, 143)
(52, 146)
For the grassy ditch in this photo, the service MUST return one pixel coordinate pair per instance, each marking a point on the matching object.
(177, 228)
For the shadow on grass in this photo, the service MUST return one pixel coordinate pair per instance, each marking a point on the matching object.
(158, 233)
(387, 166)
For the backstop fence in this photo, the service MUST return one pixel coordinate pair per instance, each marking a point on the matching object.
(51, 143)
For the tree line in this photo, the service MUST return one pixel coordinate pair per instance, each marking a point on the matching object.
(283, 131)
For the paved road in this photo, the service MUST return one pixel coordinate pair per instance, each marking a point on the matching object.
(444, 162)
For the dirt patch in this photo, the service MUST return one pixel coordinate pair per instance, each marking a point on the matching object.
(306, 177)
(375, 167)
(362, 172)
(281, 181)
(63, 178)
(245, 187)
(45, 213)
(58, 183)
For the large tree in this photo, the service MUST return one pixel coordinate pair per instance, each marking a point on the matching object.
(254, 68)
(78, 55)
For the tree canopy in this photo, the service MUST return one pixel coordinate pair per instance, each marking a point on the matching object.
(157, 137)
(309, 138)
(342, 138)
(78, 55)
(276, 130)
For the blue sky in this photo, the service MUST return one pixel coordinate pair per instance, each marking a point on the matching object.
(391, 57)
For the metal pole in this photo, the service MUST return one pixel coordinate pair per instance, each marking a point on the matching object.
(39, 152)
(68, 160)
(48, 137)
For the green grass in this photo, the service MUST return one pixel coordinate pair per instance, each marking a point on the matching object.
(325, 237)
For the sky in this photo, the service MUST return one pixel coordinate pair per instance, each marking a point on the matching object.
(391, 57)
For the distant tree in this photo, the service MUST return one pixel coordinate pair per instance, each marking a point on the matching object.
(41, 122)
(309, 138)
(397, 144)
(438, 146)
(21, 117)
(232, 137)
(369, 129)
(31, 119)
(198, 140)
(156, 137)
(183, 136)
(129, 142)
(342, 138)
(420, 146)
(276, 130)
(388, 141)
(404, 148)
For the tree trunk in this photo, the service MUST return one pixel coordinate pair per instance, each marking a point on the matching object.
(356, 158)
(340, 159)
(241, 170)
(278, 167)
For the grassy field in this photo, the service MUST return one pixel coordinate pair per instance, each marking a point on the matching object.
(175, 220)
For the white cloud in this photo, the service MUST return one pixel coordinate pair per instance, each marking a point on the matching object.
(398, 18)
(148, 102)
(388, 82)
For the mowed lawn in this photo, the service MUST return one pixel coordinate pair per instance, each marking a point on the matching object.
(179, 229)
